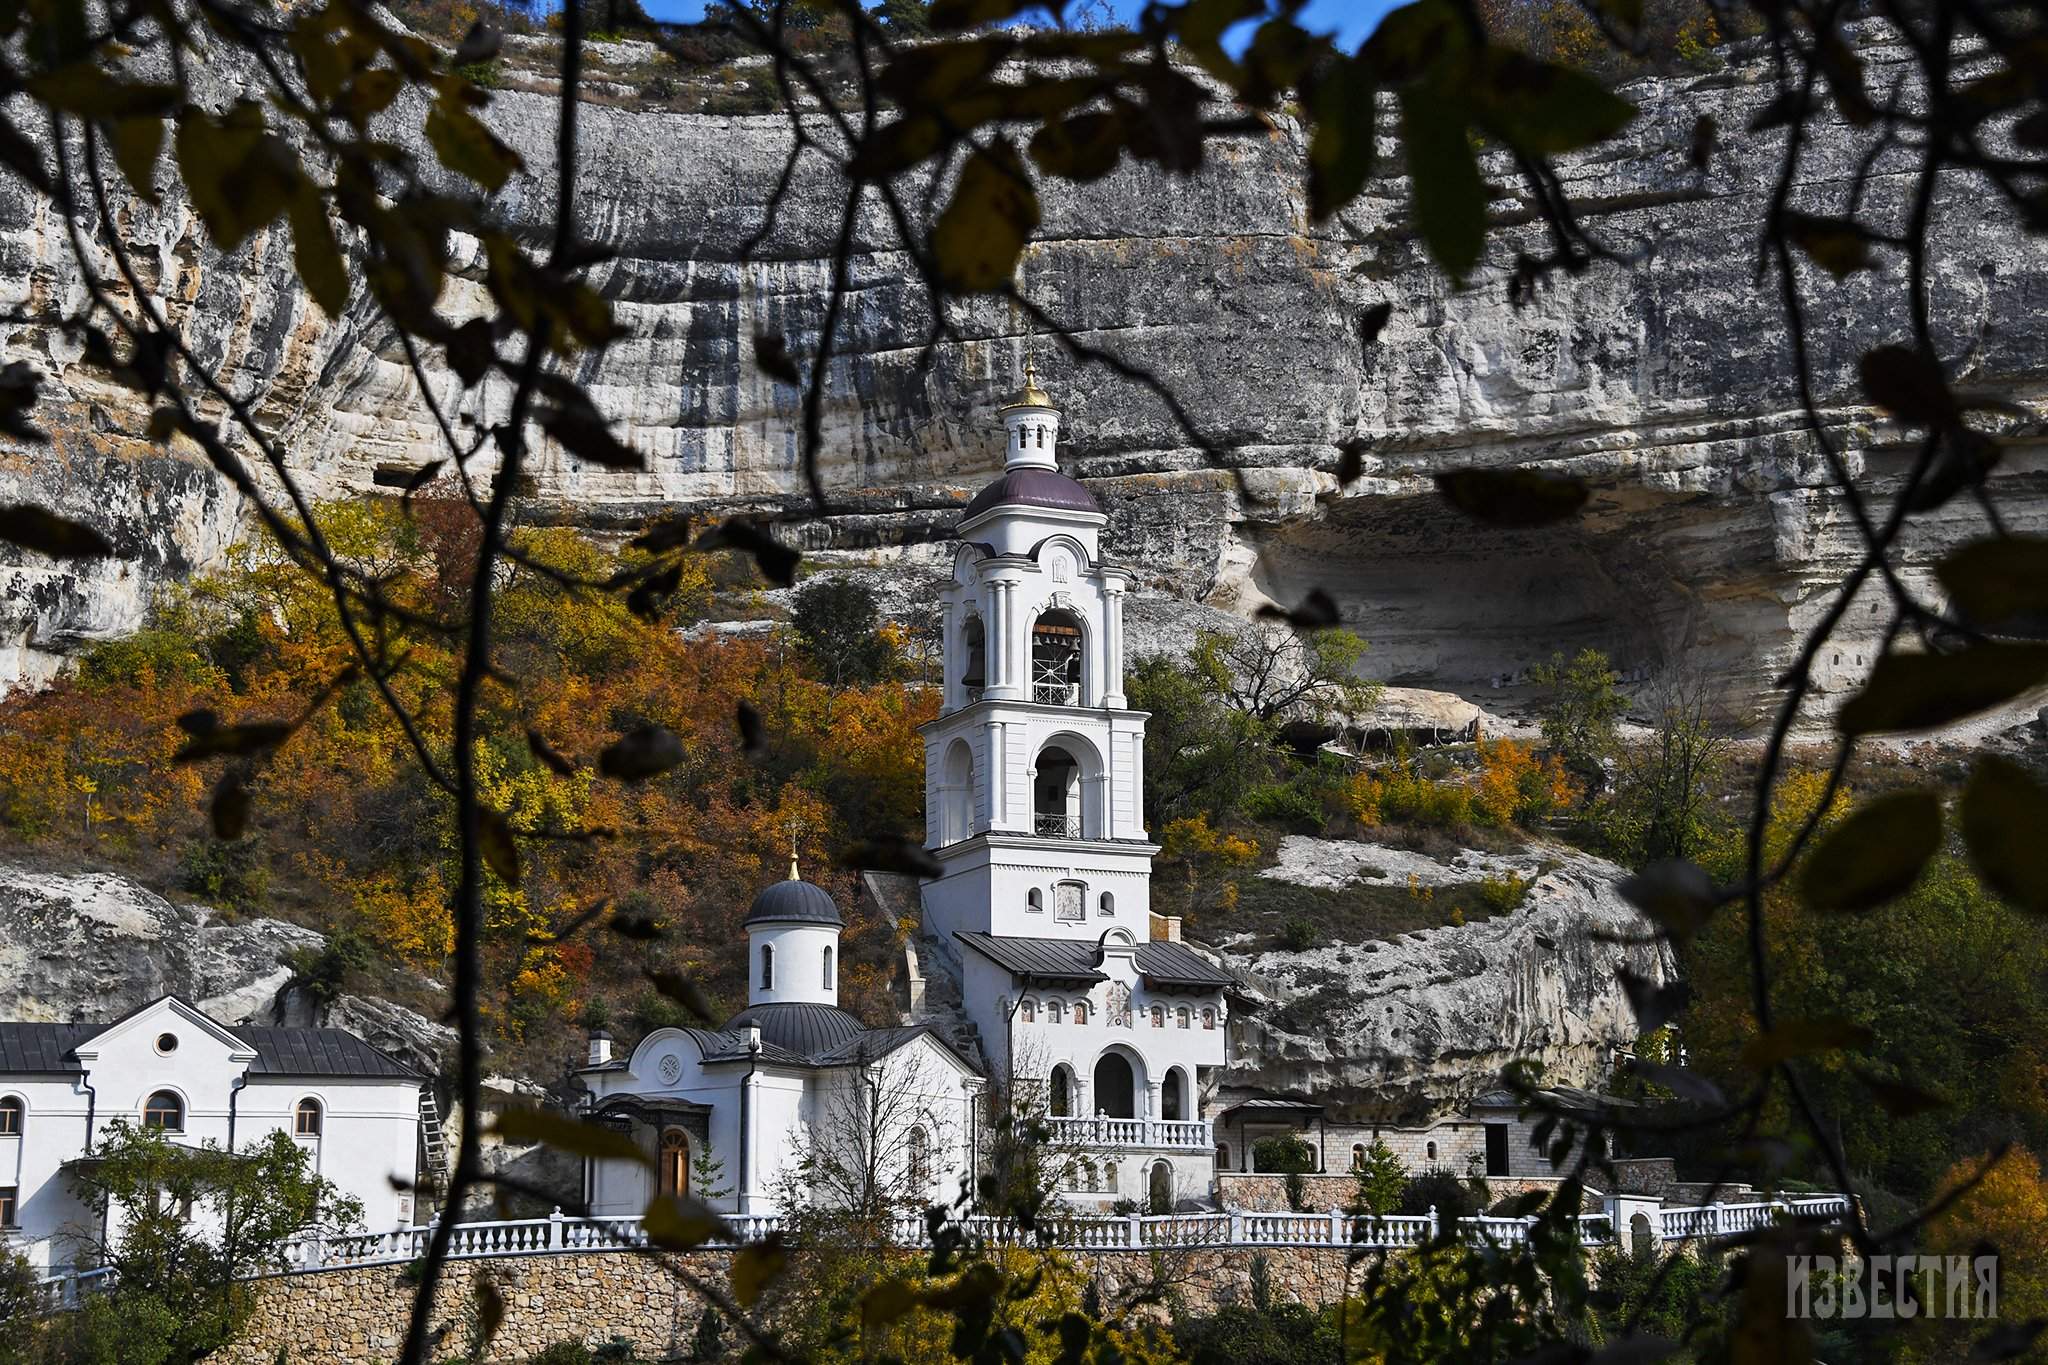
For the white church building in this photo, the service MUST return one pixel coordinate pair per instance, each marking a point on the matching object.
(169, 1067)
(1057, 994)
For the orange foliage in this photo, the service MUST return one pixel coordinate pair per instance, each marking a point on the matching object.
(343, 816)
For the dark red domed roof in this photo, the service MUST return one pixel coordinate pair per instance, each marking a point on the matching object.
(1027, 486)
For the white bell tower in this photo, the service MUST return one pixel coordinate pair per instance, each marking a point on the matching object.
(1034, 769)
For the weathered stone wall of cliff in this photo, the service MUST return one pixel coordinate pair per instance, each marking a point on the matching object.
(1664, 377)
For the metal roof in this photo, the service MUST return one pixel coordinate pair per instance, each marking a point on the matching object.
(1032, 487)
(797, 902)
(27, 1048)
(1274, 1104)
(317, 1052)
(1159, 962)
(806, 1031)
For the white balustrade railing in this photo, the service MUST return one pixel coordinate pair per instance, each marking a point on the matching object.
(1130, 1232)
(1194, 1135)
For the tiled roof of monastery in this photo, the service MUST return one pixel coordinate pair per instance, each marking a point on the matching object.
(1160, 963)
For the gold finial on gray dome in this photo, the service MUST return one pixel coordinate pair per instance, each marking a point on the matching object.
(1031, 396)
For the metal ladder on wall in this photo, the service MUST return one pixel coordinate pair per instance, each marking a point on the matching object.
(433, 1141)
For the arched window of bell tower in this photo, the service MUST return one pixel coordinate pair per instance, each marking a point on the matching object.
(1056, 659)
(974, 663)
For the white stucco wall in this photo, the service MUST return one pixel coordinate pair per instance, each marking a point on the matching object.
(370, 1126)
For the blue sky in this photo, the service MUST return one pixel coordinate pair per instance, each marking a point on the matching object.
(1350, 20)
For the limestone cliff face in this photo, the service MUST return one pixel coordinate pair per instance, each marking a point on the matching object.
(1401, 1029)
(1664, 378)
(91, 946)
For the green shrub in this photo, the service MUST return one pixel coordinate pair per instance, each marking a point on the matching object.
(1298, 935)
(1283, 1155)
(1504, 892)
(1295, 805)
(1450, 1195)
(230, 873)
(563, 1353)
(146, 656)
(325, 972)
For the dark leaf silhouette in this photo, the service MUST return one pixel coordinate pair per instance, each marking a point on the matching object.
(1921, 691)
(1992, 580)
(500, 849)
(471, 349)
(585, 434)
(679, 1224)
(1907, 385)
(1318, 611)
(423, 476)
(1898, 1098)
(641, 753)
(891, 853)
(771, 355)
(1706, 140)
(776, 561)
(994, 210)
(1351, 459)
(1689, 1086)
(1793, 1038)
(2005, 826)
(638, 928)
(1679, 896)
(1654, 1005)
(1373, 321)
(490, 1311)
(1875, 855)
(19, 383)
(228, 813)
(1512, 498)
(685, 992)
(753, 735)
(480, 44)
(213, 742)
(1450, 199)
(1963, 459)
(538, 745)
(567, 1134)
(32, 528)
(1837, 245)
(758, 1265)
(645, 601)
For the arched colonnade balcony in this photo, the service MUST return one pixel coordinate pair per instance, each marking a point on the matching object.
(1115, 1107)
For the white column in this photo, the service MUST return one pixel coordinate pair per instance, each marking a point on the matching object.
(998, 777)
(1113, 663)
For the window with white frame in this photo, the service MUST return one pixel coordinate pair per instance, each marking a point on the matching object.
(306, 1119)
(10, 1205)
(13, 1116)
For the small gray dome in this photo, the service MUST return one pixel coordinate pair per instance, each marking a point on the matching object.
(795, 902)
(1027, 486)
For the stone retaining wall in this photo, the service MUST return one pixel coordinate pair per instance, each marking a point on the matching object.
(348, 1317)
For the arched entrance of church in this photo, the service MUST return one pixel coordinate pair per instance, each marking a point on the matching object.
(1116, 1087)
